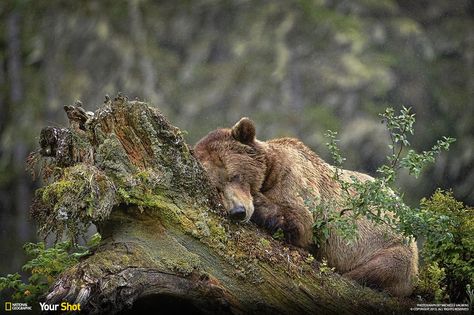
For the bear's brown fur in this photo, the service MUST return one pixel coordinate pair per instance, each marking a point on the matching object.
(270, 182)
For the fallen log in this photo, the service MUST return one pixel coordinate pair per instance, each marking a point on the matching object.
(167, 244)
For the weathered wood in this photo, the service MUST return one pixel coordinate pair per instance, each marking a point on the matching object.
(167, 244)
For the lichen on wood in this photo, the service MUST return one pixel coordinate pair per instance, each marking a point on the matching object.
(126, 169)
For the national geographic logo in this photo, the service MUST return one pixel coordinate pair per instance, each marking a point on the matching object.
(9, 306)
(64, 307)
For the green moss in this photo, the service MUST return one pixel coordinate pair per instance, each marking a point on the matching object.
(218, 232)
(264, 242)
(54, 191)
(183, 264)
(82, 194)
(143, 199)
(112, 158)
(144, 175)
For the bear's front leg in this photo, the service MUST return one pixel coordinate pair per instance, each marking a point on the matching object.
(266, 213)
(296, 224)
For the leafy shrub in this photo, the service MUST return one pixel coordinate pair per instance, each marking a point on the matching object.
(444, 223)
(378, 200)
(450, 243)
(45, 265)
(430, 283)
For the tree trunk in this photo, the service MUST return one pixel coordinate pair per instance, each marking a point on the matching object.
(167, 244)
(21, 188)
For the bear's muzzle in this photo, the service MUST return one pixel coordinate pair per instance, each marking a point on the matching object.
(237, 213)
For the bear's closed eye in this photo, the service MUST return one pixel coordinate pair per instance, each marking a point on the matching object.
(236, 178)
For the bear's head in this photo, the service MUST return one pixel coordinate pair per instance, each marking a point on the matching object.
(235, 162)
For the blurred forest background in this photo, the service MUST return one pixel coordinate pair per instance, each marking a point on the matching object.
(296, 67)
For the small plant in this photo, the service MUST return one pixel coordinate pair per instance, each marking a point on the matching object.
(279, 235)
(309, 259)
(324, 267)
(45, 265)
(377, 199)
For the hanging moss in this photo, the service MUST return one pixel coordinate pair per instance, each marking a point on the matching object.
(82, 195)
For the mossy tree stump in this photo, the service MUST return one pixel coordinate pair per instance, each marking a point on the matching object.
(167, 244)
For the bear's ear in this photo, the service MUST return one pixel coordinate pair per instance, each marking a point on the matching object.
(244, 131)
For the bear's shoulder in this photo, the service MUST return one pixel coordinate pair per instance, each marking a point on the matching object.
(295, 148)
(286, 141)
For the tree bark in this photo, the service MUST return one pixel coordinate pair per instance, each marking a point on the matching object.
(167, 244)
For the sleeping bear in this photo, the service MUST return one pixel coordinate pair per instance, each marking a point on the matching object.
(270, 183)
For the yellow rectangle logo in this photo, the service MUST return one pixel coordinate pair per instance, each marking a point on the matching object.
(8, 306)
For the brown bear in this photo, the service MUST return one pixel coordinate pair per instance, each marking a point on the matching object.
(270, 182)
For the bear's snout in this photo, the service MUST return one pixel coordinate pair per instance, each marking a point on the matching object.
(237, 213)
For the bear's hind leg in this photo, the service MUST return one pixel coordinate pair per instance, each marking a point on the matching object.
(392, 269)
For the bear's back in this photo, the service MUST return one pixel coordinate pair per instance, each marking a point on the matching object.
(306, 171)
(313, 181)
